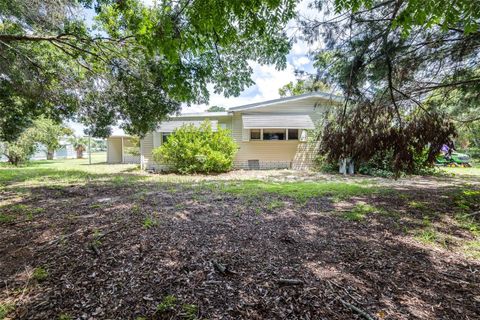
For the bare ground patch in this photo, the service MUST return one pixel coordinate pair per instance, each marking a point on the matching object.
(174, 251)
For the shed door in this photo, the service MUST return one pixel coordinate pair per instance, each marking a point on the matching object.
(114, 150)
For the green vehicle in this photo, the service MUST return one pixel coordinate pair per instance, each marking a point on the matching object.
(455, 160)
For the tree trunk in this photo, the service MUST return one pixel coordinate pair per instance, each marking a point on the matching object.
(50, 154)
(79, 153)
(13, 160)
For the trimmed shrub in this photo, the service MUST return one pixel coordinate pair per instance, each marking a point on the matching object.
(191, 149)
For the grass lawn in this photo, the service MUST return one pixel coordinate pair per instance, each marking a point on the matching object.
(473, 171)
(100, 241)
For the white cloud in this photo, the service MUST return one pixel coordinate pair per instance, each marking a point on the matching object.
(299, 48)
(267, 82)
(76, 127)
(301, 61)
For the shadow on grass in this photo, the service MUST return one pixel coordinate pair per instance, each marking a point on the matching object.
(36, 163)
(299, 191)
(368, 265)
(103, 163)
(35, 174)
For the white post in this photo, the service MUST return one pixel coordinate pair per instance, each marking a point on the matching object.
(141, 155)
(123, 153)
(342, 166)
(89, 150)
(351, 167)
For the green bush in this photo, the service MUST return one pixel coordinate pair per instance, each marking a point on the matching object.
(191, 149)
(473, 152)
(321, 164)
(21, 150)
(381, 165)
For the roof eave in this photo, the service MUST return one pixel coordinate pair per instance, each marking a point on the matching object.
(320, 95)
(202, 115)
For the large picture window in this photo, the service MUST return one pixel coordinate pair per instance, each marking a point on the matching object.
(274, 134)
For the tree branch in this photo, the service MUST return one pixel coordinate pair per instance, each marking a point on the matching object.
(36, 65)
(13, 37)
(446, 85)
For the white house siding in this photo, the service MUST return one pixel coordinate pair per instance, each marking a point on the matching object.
(262, 154)
(153, 139)
(274, 121)
(114, 150)
(222, 121)
(276, 154)
(312, 107)
(146, 150)
(304, 158)
(237, 127)
(270, 154)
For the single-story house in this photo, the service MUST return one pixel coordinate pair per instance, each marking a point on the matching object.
(269, 134)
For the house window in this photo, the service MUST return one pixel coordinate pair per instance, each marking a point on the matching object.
(274, 134)
(292, 134)
(255, 134)
(165, 136)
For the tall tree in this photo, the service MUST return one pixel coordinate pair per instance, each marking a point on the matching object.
(144, 60)
(79, 145)
(44, 132)
(44, 53)
(302, 86)
(49, 134)
(390, 58)
(216, 109)
(20, 150)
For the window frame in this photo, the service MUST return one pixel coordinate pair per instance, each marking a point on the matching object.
(162, 134)
(286, 135)
(260, 131)
(298, 135)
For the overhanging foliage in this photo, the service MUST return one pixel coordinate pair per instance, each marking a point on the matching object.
(390, 58)
(138, 65)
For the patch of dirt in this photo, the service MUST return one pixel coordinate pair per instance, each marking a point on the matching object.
(228, 258)
(286, 175)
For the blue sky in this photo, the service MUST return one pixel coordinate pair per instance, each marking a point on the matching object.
(266, 77)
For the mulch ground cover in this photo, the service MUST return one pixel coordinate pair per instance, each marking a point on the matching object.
(168, 251)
